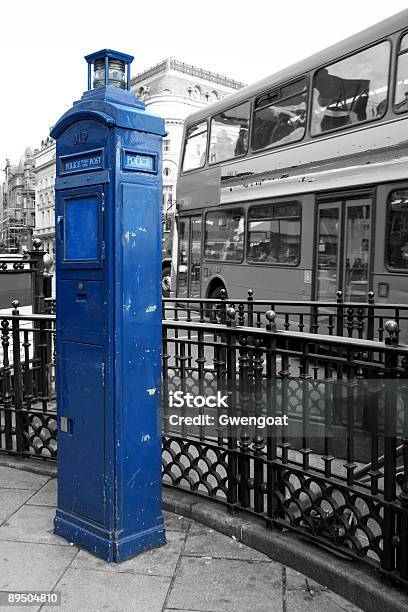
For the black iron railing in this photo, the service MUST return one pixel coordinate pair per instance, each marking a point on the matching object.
(311, 430)
(28, 423)
(339, 318)
(337, 473)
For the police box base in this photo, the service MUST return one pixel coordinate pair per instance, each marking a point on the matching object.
(100, 542)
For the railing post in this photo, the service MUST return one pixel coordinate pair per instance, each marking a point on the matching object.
(275, 481)
(370, 316)
(390, 445)
(17, 373)
(232, 440)
(37, 273)
(245, 440)
(258, 439)
(340, 320)
(7, 395)
(223, 307)
(43, 364)
(250, 308)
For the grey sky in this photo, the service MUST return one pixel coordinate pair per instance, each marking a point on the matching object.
(42, 45)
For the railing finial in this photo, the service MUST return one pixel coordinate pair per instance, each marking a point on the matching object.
(230, 315)
(37, 243)
(271, 317)
(15, 304)
(392, 328)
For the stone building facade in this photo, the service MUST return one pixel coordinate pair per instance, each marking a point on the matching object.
(18, 205)
(44, 194)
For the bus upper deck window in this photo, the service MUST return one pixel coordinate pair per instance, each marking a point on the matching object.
(280, 116)
(401, 84)
(397, 230)
(352, 90)
(195, 147)
(229, 134)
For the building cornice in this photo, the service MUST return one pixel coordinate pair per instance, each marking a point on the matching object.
(172, 64)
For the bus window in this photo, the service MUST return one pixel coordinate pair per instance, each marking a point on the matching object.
(224, 235)
(229, 134)
(351, 90)
(274, 234)
(401, 85)
(397, 230)
(280, 116)
(195, 147)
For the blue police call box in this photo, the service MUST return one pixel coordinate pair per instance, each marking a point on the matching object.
(108, 259)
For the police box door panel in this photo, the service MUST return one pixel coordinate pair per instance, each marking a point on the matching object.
(82, 322)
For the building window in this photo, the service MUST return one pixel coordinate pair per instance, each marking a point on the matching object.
(197, 93)
(167, 198)
(166, 145)
(166, 171)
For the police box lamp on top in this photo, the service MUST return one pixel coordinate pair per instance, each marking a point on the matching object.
(110, 69)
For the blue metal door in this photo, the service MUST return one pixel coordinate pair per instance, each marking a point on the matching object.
(82, 326)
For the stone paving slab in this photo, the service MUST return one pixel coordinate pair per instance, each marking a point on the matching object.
(176, 522)
(32, 524)
(11, 500)
(19, 479)
(46, 496)
(32, 566)
(296, 580)
(204, 541)
(158, 562)
(222, 585)
(85, 589)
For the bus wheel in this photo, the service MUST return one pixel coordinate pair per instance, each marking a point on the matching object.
(166, 278)
(213, 310)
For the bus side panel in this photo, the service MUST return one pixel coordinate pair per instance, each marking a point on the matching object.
(199, 189)
(269, 282)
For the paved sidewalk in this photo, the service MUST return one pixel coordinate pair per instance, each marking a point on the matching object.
(198, 570)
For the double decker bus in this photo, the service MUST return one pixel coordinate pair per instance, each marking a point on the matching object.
(297, 186)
